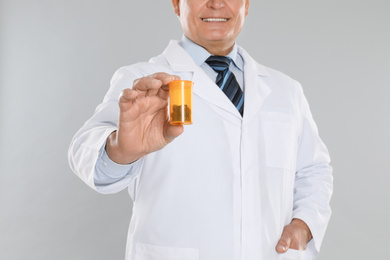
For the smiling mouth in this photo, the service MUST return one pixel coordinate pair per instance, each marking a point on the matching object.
(215, 19)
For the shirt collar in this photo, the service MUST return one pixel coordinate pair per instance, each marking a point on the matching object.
(200, 54)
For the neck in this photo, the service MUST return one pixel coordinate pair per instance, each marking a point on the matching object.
(219, 48)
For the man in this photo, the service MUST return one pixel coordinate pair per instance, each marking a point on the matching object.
(250, 182)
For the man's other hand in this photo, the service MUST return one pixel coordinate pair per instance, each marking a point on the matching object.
(296, 235)
(143, 120)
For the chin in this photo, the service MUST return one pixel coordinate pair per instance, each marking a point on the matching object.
(216, 36)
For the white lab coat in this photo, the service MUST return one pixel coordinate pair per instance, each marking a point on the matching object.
(228, 185)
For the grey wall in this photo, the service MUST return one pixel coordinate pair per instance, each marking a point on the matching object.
(57, 58)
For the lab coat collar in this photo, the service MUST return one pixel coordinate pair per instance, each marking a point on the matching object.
(179, 60)
(260, 70)
(256, 90)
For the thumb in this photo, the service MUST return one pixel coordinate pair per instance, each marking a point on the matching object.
(173, 131)
(284, 243)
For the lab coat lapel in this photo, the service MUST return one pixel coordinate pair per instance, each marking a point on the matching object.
(256, 89)
(180, 61)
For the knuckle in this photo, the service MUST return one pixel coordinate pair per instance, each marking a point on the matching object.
(136, 81)
(124, 93)
(161, 74)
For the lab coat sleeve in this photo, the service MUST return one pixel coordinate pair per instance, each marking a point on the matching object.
(85, 151)
(313, 181)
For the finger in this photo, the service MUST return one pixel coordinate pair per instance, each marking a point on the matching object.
(126, 102)
(165, 78)
(126, 99)
(150, 85)
(173, 131)
(157, 76)
(152, 92)
(284, 243)
(143, 85)
(163, 92)
(128, 95)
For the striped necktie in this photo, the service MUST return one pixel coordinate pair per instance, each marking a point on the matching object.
(227, 81)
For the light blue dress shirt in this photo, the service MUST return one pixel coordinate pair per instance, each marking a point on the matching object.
(107, 171)
(200, 55)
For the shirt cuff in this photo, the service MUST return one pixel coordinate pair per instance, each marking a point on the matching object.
(114, 169)
(108, 171)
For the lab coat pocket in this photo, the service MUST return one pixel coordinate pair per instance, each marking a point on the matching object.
(151, 252)
(292, 254)
(279, 137)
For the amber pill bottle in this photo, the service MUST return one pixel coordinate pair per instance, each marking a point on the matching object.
(180, 102)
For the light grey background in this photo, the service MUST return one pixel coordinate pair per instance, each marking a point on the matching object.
(57, 58)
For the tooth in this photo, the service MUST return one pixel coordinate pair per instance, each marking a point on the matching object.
(214, 19)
